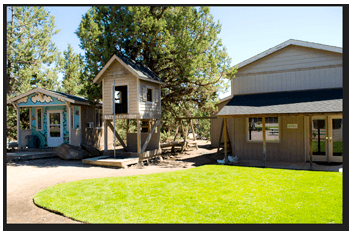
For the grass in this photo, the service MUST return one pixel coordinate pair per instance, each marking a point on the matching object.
(337, 146)
(206, 194)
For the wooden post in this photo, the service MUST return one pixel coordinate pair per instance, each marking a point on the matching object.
(18, 127)
(177, 130)
(220, 136)
(193, 130)
(139, 141)
(158, 131)
(150, 136)
(182, 128)
(225, 140)
(70, 122)
(116, 135)
(264, 142)
(105, 135)
(185, 137)
(310, 141)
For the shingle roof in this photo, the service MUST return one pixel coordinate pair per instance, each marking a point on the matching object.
(310, 101)
(140, 69)
(73, 97)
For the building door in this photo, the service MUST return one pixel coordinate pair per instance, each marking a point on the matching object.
(327, 138)
(55, 128)
(335, 138)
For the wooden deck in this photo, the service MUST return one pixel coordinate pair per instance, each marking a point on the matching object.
(109, 161)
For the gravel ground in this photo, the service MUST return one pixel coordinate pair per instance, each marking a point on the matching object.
(26, 178)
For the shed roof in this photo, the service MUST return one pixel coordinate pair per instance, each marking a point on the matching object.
(291, 102)
(139, 70)
(64, 96)
(288, 43)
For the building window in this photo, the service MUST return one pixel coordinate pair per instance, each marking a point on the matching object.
(98, 118)
(72, 117)
(255, 129)
(39, 119)
(149, 95)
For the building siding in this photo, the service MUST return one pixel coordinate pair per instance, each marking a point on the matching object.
(289, 149)
(292, 68)
(126, 79)
(146, 107)
(93, 136)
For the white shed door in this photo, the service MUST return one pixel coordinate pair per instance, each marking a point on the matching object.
(55, 128)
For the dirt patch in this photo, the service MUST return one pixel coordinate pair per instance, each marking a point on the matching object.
(26, 178)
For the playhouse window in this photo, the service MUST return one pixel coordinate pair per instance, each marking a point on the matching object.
(255, 129)
(39, 118)
(149, 95)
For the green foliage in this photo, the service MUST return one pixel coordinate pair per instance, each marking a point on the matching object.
(32, 59)
(179, 44)
(73, 66)
(207, 194)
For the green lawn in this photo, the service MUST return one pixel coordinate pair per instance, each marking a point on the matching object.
(206, 194)
(337, 146)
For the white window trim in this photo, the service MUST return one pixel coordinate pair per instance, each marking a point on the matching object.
(153, 96)
(261, 141)
(112, 94)
(36, 111)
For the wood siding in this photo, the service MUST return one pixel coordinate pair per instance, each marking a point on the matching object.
(93, 136)
(150, 108)
(216, 126)
(132, 141)
(292, 68)
(289, 149)
(126, 79)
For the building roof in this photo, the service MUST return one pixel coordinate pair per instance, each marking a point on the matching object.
(64, 96)
(291, 102)
(73, 97)
(288, 43)
(139, 70)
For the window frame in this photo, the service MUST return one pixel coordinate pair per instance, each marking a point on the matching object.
(95, 122)
(261, 141)
(152, 95)
(36, 111)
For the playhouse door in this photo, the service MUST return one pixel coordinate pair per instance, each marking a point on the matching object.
(55, 128)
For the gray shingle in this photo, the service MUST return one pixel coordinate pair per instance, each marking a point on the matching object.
(140, 69)
(310, 101)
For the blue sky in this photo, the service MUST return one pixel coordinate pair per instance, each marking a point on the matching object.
(246, 31)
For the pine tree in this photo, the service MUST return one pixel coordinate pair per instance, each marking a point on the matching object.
(32, 57)
(179, 44)
(72, 65)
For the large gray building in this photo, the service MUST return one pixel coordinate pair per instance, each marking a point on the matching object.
(276, 96)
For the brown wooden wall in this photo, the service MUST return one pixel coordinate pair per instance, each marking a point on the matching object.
(93, 136)
(126, 79)
(289, 149)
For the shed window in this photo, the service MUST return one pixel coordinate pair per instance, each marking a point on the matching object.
(149, 95)
(39, 119)
(72, 117)
(98, 118)
(255, 129)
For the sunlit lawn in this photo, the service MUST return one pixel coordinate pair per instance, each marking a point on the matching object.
(206, 194)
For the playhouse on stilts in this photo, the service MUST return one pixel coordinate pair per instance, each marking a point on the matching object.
(130, 91)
